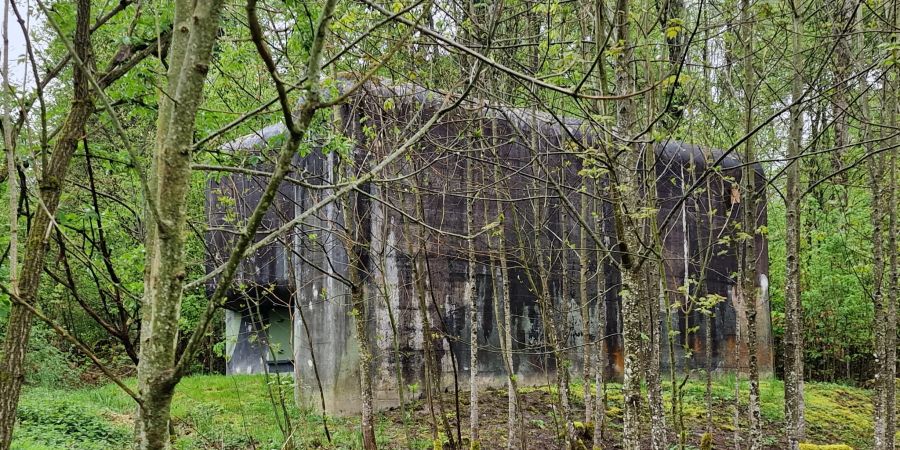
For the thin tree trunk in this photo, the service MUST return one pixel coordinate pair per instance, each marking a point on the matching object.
(652, 267)
(515, 425)
(736, 420)
(890, 345)
(471, 300)
(629, 229)
(551, 333)
(749, 255)
(876, 177)
(601, 362)
(709, 314)
(886, 318)
(542, 287)
(707, 344)
(12, 185)
(10, 392)
(793, 338)
(360, 312)
(875, 163)
(427, 342)
(750, 293)
(655, 281)
(539, 283)
(890, 363)
(598, 27)
(587, 350)
(677, 397)
(421, 275)
(385, 289)
(842, 14)
(51, 184)
(585, 305)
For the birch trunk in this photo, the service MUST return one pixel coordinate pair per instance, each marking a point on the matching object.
(628, 232)
(749, 254)
(472, 303)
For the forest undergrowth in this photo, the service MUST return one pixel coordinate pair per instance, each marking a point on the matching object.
(237, 412)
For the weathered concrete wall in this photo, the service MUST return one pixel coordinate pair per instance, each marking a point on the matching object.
(536, 164)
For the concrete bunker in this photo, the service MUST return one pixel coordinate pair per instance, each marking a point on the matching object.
(290, 299)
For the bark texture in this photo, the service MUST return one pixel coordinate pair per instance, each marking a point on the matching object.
(749, 254)
(628, 234)
(793, 337)
(886, 309)
(470, 297)
(50, 185)
(196, 25)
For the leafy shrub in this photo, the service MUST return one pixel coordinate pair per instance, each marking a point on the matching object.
(47, 365)
(58, 425)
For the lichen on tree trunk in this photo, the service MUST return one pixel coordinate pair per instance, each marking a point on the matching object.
(196, 25)
(793, 338)
(18, 329)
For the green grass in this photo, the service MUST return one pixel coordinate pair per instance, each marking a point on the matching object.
(215, 412)
(236, 412)
(834, 413)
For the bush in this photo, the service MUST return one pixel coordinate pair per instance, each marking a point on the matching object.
(58, 425)
(45, 364)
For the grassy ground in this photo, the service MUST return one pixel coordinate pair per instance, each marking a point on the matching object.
(238, 412)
